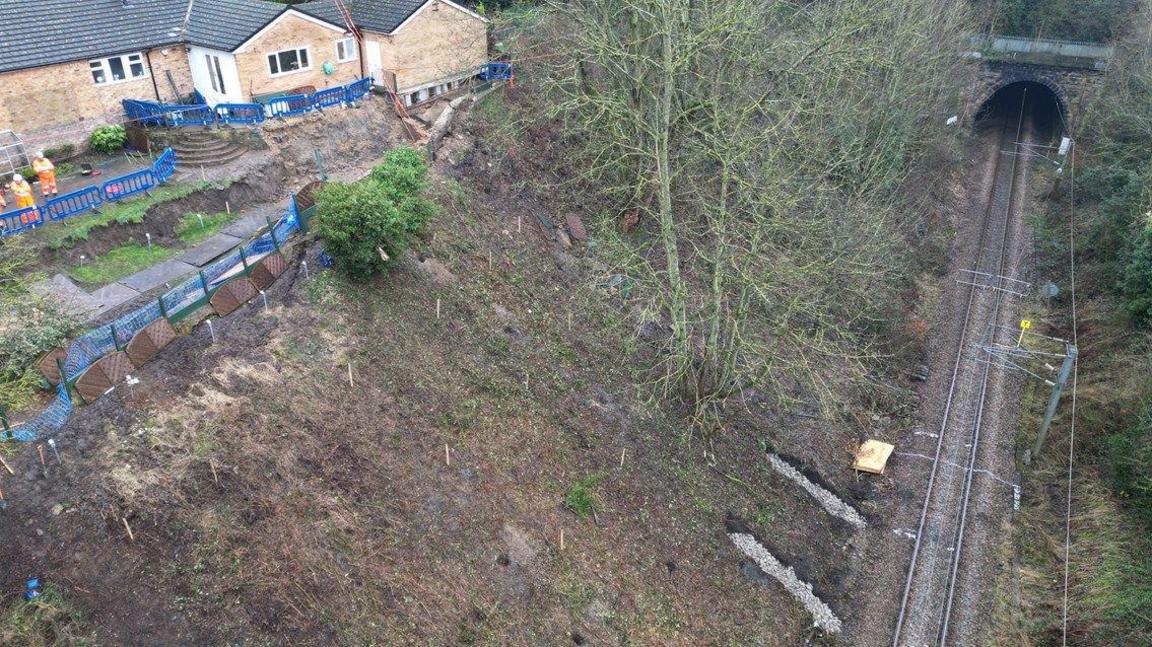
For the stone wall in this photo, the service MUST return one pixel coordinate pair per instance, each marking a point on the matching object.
(291, 32)
(59, 104)
(441, 43)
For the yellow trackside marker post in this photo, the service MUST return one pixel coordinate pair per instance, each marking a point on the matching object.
(1025, 324)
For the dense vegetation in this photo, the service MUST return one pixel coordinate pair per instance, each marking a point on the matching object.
(366, 225)
(1111, 554)
(1090, 20)
(758, 153)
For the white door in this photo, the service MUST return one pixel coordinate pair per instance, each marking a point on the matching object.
(372, 56)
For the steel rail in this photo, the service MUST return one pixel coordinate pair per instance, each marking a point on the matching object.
(958, 541)
(950, 401)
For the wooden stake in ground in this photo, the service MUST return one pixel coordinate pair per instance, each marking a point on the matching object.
(447, 456)
(212, 464)
(437, 308)
(561, 539)
(40, 450)
(350, 383)
(622, 452)
(131, 536)
(5, 464)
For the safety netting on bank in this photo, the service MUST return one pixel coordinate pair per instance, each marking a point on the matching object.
(173, 306)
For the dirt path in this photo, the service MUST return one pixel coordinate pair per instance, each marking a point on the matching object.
(963, 400)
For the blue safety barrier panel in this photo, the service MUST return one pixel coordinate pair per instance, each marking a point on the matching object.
(126, 185)
(289, 105)
(496, 71)
(73, 203)
(19, 221)
(164, 166)
(197, 115)
(357, 89)
(240, 113)
(329, 97)
(147, 113)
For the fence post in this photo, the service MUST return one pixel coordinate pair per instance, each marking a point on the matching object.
(115, 337)
(163, 308)
(204, 284)
(272, 233)
(67, 384)
(243, 257)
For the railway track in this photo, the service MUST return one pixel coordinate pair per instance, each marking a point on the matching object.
(938, 561)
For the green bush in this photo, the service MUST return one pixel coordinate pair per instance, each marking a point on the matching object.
(108, 139)
(1128, 452)
(1135, 285)
(61, 151)
(382, 213)
(403, 173)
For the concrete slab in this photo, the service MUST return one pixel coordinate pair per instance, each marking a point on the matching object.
(249, 223)
(112, 295)
(67, 294)
(208, 250)
(159, 274)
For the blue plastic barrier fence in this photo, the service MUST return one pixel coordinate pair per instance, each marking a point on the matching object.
(73, 203)
(357, 89)
(496, 71)
(289, 105)
(240, 113)
(164, 166)
(126, 185)
(198, 115)
(147, 113)
(49, 421)
(329, 97)
(19, 221)
(86, 349)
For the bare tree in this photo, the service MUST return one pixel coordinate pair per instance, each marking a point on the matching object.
(763, 143)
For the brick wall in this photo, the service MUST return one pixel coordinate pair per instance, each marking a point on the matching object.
(60, 104)
(175, 60)
(440, 43)
(289, 33)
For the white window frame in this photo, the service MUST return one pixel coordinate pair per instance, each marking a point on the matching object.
(350, 47)
(303, 48)
(105, 66)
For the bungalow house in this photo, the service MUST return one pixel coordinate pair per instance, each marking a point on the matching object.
(66, 65)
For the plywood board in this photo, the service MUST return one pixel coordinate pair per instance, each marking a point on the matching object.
(872, 456)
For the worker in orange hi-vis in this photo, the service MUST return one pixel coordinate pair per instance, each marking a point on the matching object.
(23, 192)
(46, 170)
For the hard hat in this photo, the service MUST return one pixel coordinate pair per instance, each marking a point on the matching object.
(39, 153)
(16, 177)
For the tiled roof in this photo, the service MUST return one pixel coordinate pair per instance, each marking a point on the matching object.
(55, 31)
(381, 16)
(226, 24)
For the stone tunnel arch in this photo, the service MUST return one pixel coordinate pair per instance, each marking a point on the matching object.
(1048, 101)
(1073, 88)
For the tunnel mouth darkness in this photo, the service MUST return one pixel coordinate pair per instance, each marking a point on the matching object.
(1041, 105)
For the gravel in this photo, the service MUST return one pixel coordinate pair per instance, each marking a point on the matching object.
(822, 615)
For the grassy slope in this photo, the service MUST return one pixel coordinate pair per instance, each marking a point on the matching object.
(339, 518)
(1110, 591)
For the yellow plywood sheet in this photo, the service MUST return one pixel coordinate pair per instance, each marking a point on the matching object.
(872, 456)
